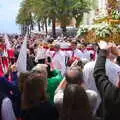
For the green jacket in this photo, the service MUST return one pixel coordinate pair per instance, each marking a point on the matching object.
(53, 83)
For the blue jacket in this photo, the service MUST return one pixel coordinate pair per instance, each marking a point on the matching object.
(7, 87)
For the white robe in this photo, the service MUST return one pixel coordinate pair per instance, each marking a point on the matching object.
(58, 60)
(86, 54)
(77, 53)
(40, 54)
(112, 71)
(64, 44)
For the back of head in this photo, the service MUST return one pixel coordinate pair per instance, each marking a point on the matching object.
(57, 46)
(34, 90)
(73, 44)
(74, 75)
(40, 68)
(75, 104)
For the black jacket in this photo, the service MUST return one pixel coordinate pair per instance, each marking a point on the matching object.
(110, 94)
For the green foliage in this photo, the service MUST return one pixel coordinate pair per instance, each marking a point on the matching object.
(82, 30)
(116, 14)
(104, 30)
(61, 10)
(24, 15)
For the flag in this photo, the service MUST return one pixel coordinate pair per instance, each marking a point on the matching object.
(21, 63)
(7, 43)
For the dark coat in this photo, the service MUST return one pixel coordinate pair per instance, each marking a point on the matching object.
(44, 111)
(110, 94)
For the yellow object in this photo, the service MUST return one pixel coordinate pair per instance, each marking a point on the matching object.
(92, 38)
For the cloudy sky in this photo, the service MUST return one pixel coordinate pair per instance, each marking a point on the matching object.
(8, 12)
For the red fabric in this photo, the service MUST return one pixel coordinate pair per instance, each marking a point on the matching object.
(66, 49)
(11, 53)
(71, 60)
(1, 70)
(118, 85)
(63, 49)
(2, 46)
(94, 55)
(90, 49)
(54, 55)
(19, 119)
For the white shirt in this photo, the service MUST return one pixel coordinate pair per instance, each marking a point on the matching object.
(7, 112)
(92, 96)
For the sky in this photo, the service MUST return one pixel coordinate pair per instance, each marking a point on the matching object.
(8, 13)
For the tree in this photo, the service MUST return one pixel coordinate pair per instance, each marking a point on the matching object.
(61, 11)
(24, 17)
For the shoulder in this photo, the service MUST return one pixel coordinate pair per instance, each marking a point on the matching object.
(6, 101)
(92, 96)
(113, 65)
(6, 106)
(91, 93)
(58, 98)
(89, 65)
(79, 51)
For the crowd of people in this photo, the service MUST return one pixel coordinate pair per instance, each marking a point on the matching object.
(66, 79)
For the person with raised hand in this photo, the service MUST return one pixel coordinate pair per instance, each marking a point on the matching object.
(110, 94)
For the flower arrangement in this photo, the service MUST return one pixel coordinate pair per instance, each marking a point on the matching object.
(104, 30)
(94, 33)
(116, 14)
(82, 30)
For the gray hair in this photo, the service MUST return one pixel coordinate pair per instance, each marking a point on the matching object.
(40, 68)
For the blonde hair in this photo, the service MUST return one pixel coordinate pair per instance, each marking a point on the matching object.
(41, 68)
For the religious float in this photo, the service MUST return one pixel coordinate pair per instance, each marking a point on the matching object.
(106, 25)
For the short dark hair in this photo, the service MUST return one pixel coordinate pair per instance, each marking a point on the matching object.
(57, 46)
(49, 59)
(74, 42)
(77, 78)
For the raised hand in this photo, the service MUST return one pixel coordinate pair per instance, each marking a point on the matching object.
(115, 50)
(103, 45)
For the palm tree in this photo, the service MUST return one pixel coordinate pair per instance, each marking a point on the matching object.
(53, 10)
(24, 17)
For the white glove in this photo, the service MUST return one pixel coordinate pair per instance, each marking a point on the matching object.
(103, 45)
